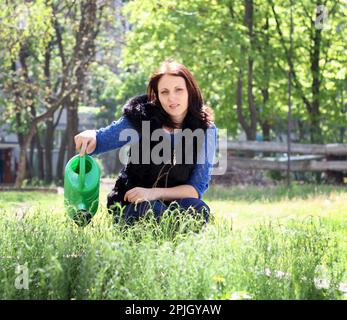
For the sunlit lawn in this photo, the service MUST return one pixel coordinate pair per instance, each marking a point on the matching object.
(245, 206)
(251, 205)
(229, 261)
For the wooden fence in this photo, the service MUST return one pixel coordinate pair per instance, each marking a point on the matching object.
(304, 157)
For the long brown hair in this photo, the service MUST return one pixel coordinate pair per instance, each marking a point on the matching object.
(198, 112)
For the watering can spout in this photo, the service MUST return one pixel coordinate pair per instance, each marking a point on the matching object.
(81, 188)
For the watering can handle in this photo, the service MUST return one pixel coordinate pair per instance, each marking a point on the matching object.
(82, 171)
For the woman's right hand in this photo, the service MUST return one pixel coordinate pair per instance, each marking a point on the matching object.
(85, 142)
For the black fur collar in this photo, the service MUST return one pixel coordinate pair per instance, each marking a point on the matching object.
(138, 109)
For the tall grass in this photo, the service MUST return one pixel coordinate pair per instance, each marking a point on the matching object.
(178, 258)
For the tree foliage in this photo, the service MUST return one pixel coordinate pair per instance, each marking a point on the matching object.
(211, 38)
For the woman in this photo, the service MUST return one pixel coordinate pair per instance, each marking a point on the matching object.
(173, 101)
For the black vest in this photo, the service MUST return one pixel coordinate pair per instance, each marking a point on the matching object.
(165, 175)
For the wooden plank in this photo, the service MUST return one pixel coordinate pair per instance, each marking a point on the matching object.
(295, 158)
(264, 146)
(313, 165)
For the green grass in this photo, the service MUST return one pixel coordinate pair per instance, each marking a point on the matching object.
(262, 244)
(252, 205)
(273, 193)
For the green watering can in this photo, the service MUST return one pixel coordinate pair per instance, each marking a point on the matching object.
(81, 188)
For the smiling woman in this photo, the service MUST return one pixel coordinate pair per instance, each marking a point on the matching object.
(173, 101)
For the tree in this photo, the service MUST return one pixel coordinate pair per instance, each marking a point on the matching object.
(317, 49)
(32, 96)
(238, 51)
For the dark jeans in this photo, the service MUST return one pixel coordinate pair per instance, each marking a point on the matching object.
(133, 212)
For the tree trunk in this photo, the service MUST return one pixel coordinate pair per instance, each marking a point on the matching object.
(264, 85)
(22, 157)
(61, 158)
(35, 143)
(265, 126)
(31, 171)
(239, 103)
(316, 136)
(251, 128)
(301, 126)
(49, 138)
(72, 126)
(251, 105)
(40, 161)
(315, 130)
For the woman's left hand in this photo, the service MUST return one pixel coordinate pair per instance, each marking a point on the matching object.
(138, 194)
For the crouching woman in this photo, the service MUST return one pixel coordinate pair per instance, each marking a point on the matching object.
(172, 154)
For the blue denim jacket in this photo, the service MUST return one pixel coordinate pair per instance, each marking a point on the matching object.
(108, 139)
